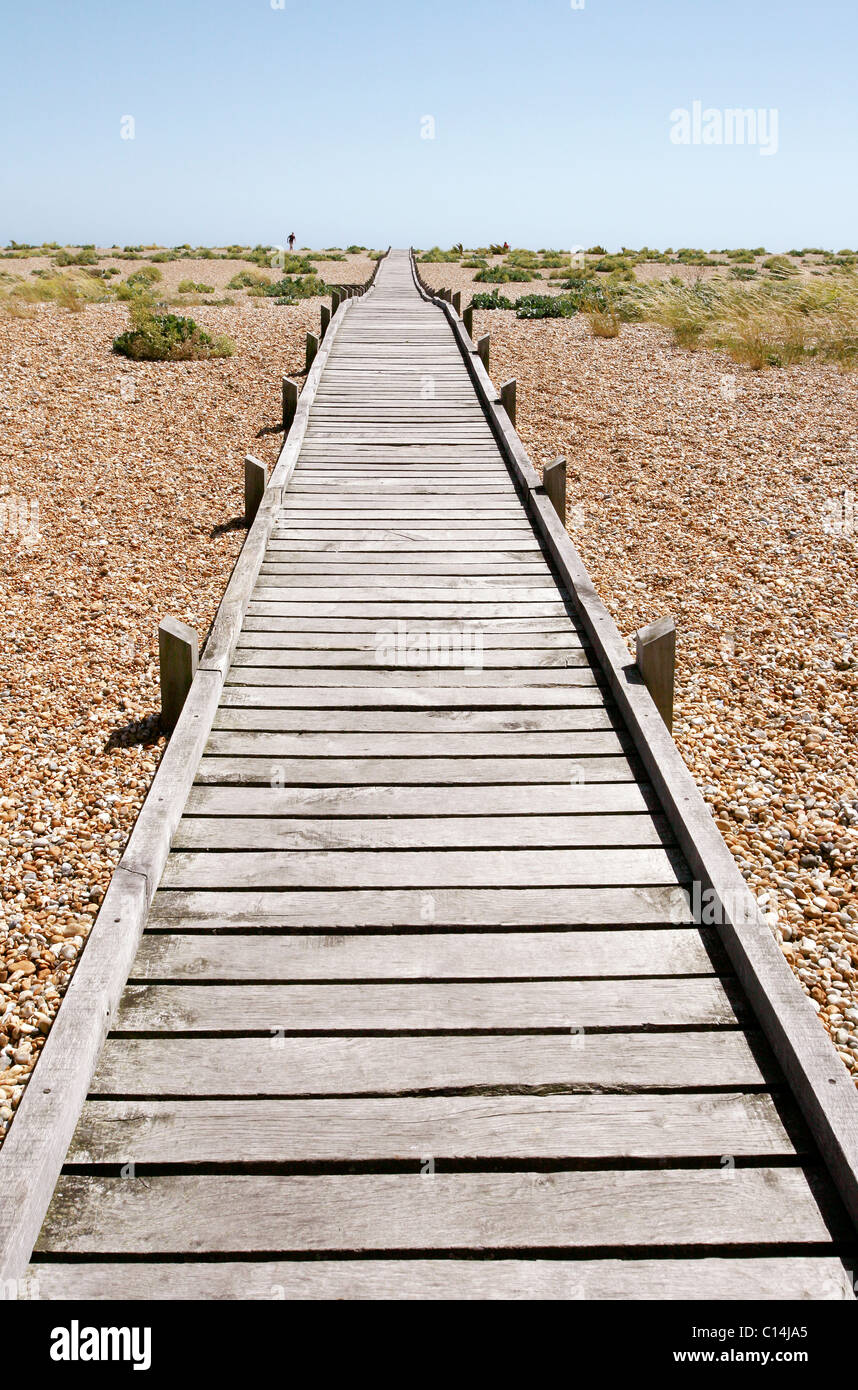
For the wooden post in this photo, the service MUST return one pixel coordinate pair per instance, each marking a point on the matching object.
(554, 482)
(290, 402)
(468, 320)
(483, 348)
(336, 300)
(312, 349)
(655, 653)
(507, 399)
(255, 478)
(178, 654)
(456, 302)
(325, 315)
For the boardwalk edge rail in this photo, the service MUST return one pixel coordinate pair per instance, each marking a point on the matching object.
(820, 1083)
(38, 1137)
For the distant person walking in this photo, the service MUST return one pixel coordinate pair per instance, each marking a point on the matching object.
(291, 240)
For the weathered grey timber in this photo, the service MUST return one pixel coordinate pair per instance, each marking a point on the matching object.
(423, 888)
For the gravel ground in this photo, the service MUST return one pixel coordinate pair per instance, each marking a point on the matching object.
(217, 273)
(121, 489)
(448, 275)
(696, 488)
(726, 498)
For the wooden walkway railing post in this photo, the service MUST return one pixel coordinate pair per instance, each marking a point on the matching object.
(255, 477)
(655, 653)
(554, 482)
(178, 658)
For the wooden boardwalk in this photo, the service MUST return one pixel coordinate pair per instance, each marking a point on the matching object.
(420, 1009)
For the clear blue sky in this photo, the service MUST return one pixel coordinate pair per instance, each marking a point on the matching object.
(552, 124)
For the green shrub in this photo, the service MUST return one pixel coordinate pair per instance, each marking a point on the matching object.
(86, 256)
(139, 283)
(355, 250)
(492, 300)
(596, 251)
(691, 255)
(161, 256)
(609, 264)
(475, 263)
(502, 275)
(167, 338)
(287, 291)
(437, 256)
(191, 287)
(248, 279)
(544, 306)
(779, 266)
(743, 272)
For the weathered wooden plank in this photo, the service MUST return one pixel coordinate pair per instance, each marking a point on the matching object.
(262, 637)
(466, 868)
(268, 603)
(311, 744)
(707, 1278)
(693, 1002)
(516, 832)
(272, 694)
(391, 681)
(574, 798)
(284, 772)
(242, 910)
(404, 1065)
(668, 1208)
(414, 650)
(424, 956)
(449, 1128)
(415, 721)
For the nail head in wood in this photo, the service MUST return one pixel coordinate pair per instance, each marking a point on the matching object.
(255, 479)
(483, 349)
(554, 482)
(655, 653)
(290, 401)
(507, 397)
(178, 655)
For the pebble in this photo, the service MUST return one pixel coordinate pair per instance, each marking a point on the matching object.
(766, 710)
(129, 498)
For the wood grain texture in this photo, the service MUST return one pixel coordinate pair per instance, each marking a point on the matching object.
(427, 956)
(336, 1007)
(349, 1130)
(707, 1278)
(403, 1065)
(459, 1211)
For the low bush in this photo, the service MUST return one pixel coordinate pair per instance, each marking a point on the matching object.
(85, 256)
(248, 279)
(492, 300)
(503, 275)
(288, 290)
(167, 338)
(436, 256)
(192, 287)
